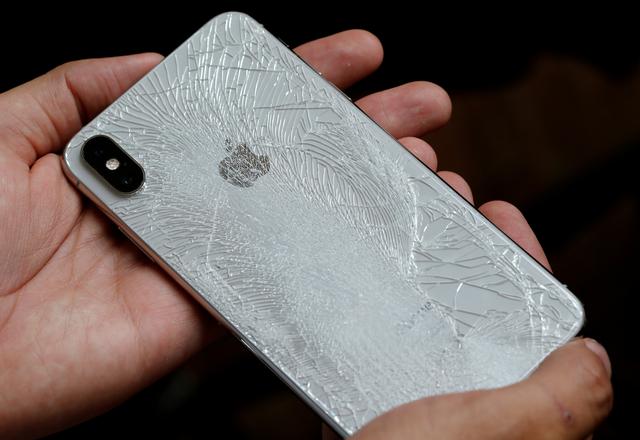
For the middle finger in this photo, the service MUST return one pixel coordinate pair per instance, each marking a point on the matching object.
(412, 109)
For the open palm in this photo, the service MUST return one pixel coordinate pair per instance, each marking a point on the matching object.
(85, 319)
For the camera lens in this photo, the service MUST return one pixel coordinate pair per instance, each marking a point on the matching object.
(115, 166)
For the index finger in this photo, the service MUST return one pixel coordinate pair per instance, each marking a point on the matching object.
(343, 58)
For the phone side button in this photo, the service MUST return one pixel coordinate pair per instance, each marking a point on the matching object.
(143, 250)
(282, 41)
(249, 347)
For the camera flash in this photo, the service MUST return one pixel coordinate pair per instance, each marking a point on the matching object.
(112, 164)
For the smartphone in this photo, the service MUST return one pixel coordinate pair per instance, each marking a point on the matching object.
(339, 259)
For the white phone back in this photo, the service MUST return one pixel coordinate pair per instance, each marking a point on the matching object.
(343, 262)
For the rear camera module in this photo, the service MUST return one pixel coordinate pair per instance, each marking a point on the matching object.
(114, 165)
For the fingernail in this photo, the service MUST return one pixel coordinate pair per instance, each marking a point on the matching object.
(598, 349)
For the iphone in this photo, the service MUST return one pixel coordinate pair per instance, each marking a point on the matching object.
(338, 258)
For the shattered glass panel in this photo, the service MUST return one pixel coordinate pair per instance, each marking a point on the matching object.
(341, 260)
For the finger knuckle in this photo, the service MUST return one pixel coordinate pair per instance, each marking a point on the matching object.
(62, 74)
(64, 69)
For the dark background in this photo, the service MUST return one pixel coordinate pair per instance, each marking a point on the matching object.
(546, 116)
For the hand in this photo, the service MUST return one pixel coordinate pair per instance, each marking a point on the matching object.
(566, 398)
(85, 319)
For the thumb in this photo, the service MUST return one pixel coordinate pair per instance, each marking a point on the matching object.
(39, 117)
(565, 398)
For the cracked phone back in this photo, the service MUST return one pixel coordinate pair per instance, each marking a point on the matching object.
(343, 262)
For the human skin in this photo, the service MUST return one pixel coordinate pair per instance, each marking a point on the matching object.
(86, 320)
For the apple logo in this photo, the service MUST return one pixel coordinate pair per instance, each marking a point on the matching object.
(242, 167)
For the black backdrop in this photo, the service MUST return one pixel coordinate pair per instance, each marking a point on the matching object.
(460, 49)
(456, 47)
